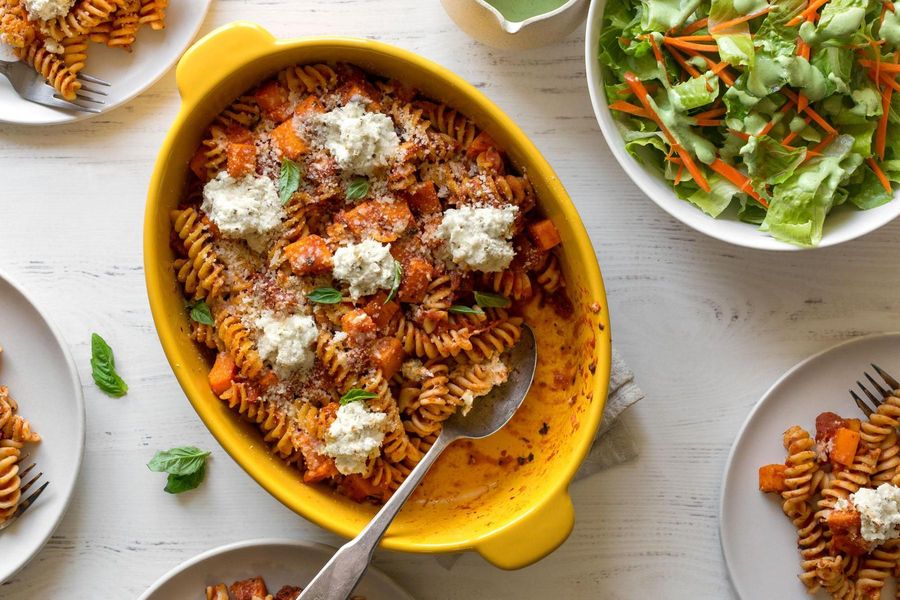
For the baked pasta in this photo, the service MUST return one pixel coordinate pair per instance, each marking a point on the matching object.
(52, 35)
(357, 258)
(254, 589)
(15, 432)
(839, 487)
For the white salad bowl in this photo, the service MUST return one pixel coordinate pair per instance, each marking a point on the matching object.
(843, 224)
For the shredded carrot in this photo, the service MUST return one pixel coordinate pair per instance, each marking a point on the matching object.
(678, 174)
(789, 137)
(670, 41)
(674, 160)
(809, 13)
(696, 38)
(885, 67)
(885, 183)
(695, 26)
(739, 134)
(817, 149)
(631, 109)
(809, 111)
(683, 62)
(738, 20)
(889, 6)
(881, 130)
(713, 112)
(737, 178)
(885, 79)
(658, 54)
(641, 92)
(717, 68)
(708, 122)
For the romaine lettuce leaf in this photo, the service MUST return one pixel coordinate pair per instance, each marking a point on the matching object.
(769, 162)
(800, 204)
(713, 202)
(869, 192)
(695, 92)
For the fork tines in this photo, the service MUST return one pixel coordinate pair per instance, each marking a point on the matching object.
(25, 504)
(877, 397)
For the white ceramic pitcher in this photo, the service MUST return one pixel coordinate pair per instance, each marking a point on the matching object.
(485, 23)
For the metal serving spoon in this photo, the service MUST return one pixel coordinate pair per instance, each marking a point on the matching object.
(340, 575)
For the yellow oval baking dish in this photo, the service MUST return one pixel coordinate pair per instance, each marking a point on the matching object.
(505, 497)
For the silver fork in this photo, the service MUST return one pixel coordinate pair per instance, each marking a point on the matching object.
(877, 397)
(29, 84)
(25, 504)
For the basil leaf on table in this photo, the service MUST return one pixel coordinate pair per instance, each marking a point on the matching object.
(186, 466)
(177, 484)
(103, 368)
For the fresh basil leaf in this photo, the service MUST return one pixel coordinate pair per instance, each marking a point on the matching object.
(201, 313)
(357, 188)
(486, 300)
(465, 310)
(103, 368)
(395, 286)
(178, 484)
(325, 295)
(183, 460)
(356, 394)
(288, 180)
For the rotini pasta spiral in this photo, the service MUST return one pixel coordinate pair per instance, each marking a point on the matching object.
(881, 423)
(81, 19)
(848, 481)
(830, 572)
(876, 568)
(201, 272)
(512, 283)
(10, 483)
(236, 341)
(279, 431)
(309, 79)
(153, 13)
(52, 67)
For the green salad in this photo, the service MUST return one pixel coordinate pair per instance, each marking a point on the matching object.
(783, 110)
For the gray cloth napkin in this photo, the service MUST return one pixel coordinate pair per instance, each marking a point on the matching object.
(614, 443)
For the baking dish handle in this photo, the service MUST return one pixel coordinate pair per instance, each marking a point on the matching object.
(533, 537)
(223, 50)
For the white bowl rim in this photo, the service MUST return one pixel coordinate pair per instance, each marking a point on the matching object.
(78, 399)
(666, 199)
(218, 550)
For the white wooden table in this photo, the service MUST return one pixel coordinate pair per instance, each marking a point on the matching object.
(706, 326)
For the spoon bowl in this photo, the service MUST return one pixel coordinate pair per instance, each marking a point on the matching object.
(488, 415)
(491, 412)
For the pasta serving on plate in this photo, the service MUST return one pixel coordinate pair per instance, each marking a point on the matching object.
(53, 36)
(357, 258)
(839, 487)
(15, 432)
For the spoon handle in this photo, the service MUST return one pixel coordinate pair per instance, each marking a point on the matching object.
(340, 575)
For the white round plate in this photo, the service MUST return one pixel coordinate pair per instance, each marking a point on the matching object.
(40, 375)
(278, 562)
(759, 542)
(842, 225)
(154, 53)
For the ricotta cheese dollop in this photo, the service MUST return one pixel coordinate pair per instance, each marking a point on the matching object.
(48, 9)
(366, 267)
(479, 237)
(287, 342)
(246, 208)
(879, 511)
(360, 141)
(354, 437)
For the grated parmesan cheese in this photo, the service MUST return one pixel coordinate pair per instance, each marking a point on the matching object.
(354, 437)
(479, 237)
(46, 10)
(360, 141)
(367, 267)
(287, 343)
(246, 208)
